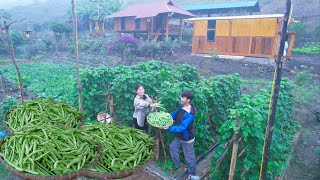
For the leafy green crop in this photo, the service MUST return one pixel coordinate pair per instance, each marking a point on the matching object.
(253, 113)
(165, 82)
(48, 80)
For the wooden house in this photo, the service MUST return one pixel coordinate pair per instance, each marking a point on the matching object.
(254, 35)
(223, 8)
(149, 18)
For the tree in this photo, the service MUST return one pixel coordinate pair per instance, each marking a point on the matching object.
(58, 30)
(299, 29)
(4, 15)
(317, 32)
(96, 10)
(36, 27)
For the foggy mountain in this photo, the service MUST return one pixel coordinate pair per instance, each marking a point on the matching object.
(44, 11)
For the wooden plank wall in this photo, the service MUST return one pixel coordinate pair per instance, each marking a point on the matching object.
(143, 24)
(199, 41)
(131, 24)
(245, 37)
(117, 24)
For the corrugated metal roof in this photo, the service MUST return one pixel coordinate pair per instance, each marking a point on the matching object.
(150, 10)
(239, 17)
(202, 6)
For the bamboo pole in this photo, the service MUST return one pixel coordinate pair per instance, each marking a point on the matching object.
(13, 59)
(76, 52)
(274, 98)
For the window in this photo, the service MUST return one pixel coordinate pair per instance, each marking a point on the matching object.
(137, 24)
(211, 33)
(123, 23)
(211, 24)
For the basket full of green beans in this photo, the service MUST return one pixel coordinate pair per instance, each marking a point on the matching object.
(124, 151)
(39, 112)
(160, 119)
(48, 152)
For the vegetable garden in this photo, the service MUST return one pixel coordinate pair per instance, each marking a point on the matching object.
(218, 99)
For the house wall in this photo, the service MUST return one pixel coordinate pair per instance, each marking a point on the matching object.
(130, 25)
(245, 37)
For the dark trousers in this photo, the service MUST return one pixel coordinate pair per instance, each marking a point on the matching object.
(188, 152)
(135, 125)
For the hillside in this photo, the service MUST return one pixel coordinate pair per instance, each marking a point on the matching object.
(306, 11)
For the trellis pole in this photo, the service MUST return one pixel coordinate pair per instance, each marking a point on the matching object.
(5, 31)
(274, 97)
(76, 52)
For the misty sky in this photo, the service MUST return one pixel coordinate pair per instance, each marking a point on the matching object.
(5, 4)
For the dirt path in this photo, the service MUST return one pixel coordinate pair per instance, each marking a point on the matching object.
(248, 67)
(305, 163)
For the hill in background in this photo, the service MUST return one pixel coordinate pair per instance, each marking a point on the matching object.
(306, 11)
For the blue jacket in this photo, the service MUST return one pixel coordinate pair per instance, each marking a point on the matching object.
(183, 127)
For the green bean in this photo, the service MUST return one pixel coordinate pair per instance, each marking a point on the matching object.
(122, 147)
(159, 119)
(39, 112)
(53, 150)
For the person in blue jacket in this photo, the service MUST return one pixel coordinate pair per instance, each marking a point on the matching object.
(183, 130)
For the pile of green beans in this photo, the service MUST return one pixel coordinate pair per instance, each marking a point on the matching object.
(160, 119)
(49, 151)
(123, 148)
(40, 111)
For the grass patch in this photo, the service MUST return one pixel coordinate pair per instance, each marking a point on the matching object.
(309, 48)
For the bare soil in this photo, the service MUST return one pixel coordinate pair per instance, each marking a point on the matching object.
(305, 163)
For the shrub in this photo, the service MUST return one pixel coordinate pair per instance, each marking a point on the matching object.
(155, 49)
(16, 37)
(148, 49)
(125, 46)
(299, 29)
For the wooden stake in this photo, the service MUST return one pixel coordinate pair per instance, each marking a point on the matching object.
(152, 28)
(112, 112)
(289, 50)
(163, 147)
(97, 27)
(180, 29)
(90, 27)
(102, 28)
(167, 27)
(107, 99)
(157, 143)
(233, 159)
(235, 149)
(76, 52)
(274, 98)
(13, 59)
